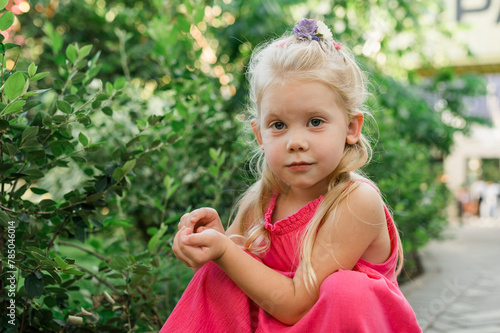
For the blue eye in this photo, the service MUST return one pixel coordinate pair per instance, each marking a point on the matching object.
(278, 125)
(315, 122)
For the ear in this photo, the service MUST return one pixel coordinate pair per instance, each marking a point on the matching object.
(354, 128)
(256, 131)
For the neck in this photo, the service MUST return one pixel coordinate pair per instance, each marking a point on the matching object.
(305, 195)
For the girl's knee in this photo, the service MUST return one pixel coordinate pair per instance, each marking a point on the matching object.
(345, 286)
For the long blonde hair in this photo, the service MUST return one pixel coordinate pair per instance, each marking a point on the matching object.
(283, 60)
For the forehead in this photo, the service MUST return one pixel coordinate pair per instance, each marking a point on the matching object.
(299, 98)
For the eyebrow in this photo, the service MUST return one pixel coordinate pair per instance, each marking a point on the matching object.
(309, 113)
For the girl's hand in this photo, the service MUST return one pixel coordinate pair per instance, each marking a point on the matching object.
(201, 219)
(196, 249)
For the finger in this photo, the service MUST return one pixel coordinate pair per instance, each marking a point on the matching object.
(201, 214)
(198, 239)
(178, 249)
(183, 221)
(202, 217)
(191, 256)
(185, 235)
(194, 256)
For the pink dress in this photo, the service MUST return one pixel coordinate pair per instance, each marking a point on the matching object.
(364, 299)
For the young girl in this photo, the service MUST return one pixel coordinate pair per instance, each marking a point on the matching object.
(312, 247)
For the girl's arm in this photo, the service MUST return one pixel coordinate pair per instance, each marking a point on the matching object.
(340, 242)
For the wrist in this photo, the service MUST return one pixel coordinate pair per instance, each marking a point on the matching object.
(225, 243)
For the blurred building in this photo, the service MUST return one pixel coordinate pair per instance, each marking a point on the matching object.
(477, 25)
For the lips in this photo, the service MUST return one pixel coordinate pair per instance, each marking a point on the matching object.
(299, 166)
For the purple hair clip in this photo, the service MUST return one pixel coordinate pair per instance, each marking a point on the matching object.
(310, 29)
(307, 29)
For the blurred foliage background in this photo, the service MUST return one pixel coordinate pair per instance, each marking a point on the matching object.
(127, 114)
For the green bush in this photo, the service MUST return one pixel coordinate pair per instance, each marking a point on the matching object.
(94, 176)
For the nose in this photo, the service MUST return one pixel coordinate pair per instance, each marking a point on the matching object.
(297, 142)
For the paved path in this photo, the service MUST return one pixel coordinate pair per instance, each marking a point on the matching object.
(460, 290)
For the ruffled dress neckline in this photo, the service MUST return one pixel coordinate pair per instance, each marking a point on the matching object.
(291, 222)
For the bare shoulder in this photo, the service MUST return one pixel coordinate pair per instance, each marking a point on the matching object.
(365, 202)
(351, 229)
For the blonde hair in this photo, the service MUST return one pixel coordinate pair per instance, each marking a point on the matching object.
(289, 59)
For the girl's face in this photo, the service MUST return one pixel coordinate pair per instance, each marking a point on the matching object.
(303, 130)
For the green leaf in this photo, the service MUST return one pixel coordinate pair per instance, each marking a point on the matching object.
(79, 159)
(62, 264)
(96, 222)
(101, 184)
(119, 83)
(83, 139)
(71, 98)
(14, 85)
(214, 154)
(4, 219)
(14, 107)
(131, 258)
(33, 286)
(142, 270)
(118, 174)
(58, 84)
(39, 275)
(30, 132)
(35, 174)
(94, 147)
(19, 193)
(73, 271)
(47, 121)
(118, 263)
(9, 46)
(101, 97)
(71, 53)
(4, 124)
(32, 69)
(129, 165)
(39, 76)
(36, 250)
(171, 190)
(6, 20)
(36, 155)
(109, 88)
(114, 276)
(107, 111)
(38, 190)
(183, 23)
(94, 71)
(118, 223)
(199, 15)
(84, 51)
(35, 93)
(214, 171)
(152, 244)
(80, 233)
(3, 3)
(64, 106)
(94, 197)
(9, 148)
(78, 77)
